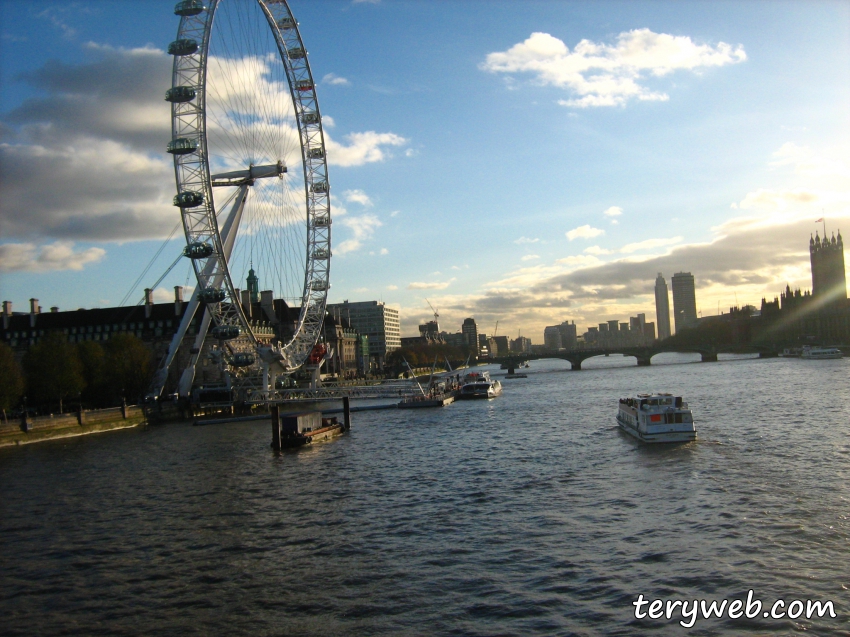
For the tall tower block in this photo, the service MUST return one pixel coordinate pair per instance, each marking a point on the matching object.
(828, 279)
(684, 300)
(662, 307)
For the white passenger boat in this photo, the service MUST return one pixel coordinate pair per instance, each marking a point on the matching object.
(480, 385)
(657, 418)
(821, 352)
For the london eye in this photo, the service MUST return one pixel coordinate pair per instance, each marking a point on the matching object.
(251, 175)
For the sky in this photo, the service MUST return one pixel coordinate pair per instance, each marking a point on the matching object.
(527, 163)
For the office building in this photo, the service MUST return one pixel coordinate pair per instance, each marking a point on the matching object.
(552, 338)
(470, 331)
(662, 307)
(375, 320)
(684, 300)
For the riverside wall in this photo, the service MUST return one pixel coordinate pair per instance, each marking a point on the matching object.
(36, 429)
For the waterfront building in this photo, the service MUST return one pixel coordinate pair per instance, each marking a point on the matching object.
(502, 347)
(521, 345)
(684, 300)
(828, 278)
(552, 338)
(568, 334)
(662, 307)
(470, 331)
(377, 321)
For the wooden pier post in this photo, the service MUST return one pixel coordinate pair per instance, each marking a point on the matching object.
(346, 410)
(275, 411)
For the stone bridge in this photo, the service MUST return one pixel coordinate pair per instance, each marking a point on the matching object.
(642, 354)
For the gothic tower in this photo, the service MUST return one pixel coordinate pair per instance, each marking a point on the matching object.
(828, 279)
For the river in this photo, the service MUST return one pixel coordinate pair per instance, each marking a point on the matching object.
(530, 514)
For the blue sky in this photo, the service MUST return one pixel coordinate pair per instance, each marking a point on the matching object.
(527, 162)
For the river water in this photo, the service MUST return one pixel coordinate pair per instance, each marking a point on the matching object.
(530, 514)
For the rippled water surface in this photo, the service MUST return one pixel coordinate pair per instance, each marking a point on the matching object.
(530, 514)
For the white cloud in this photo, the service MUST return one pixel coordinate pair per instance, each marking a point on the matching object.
(394, 213)
(384, 251)
(435, 285)
(363, 148)
(584, 232)
(597, 250)
(613, 211)
(334, 80)
(60, 255)
(392, 287)
(607, 75)
(766, 199)
(522, 240)
(357, 196)
(362, 228)
(530, 257)
(649, 244)
(579, 260)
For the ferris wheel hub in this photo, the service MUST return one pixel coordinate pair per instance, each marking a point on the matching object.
(240, 177)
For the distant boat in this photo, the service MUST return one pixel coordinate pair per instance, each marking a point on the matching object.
(817, 353)
(657, 418)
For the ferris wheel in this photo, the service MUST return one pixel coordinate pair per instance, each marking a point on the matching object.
(251, 174)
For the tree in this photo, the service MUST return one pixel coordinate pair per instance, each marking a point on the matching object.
(11, 379)
(53, 370)
(130, 366)
(93, 358)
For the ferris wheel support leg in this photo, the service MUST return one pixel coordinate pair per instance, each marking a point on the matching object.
(265, 390)
(188, 376)
(162, 374)
(228, 234)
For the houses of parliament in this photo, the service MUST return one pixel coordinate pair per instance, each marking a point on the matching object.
(820, 315)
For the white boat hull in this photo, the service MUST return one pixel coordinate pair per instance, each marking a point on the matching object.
(655, 435)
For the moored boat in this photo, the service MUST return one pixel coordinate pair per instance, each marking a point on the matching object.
(818, 353)
(297, 430)
(657, 418)
(480, 385)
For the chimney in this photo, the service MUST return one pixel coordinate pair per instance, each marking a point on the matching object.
(267, 303)
(34, 309)
(148, 302)
(7, 314)
(54, 310)
(178, 300)
(246, 302)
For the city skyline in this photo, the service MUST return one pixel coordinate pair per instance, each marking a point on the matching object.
(718, 169)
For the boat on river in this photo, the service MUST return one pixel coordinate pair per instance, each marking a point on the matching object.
(657, 418)
(819, 353)
(480, 385)
(439, 394)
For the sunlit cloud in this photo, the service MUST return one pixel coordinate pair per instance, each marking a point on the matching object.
(599, 74)
(335, 80)
(584, 232)
(362, 228)
(60, 255)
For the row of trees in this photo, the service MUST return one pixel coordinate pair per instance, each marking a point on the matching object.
(423, 356)
(54, 372)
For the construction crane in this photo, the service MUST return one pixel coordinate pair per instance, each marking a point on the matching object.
(496, 329)
(436, 314)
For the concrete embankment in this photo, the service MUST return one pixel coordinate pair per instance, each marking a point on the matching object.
(41, 428)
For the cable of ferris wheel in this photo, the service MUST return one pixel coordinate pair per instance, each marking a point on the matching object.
(150, 264)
